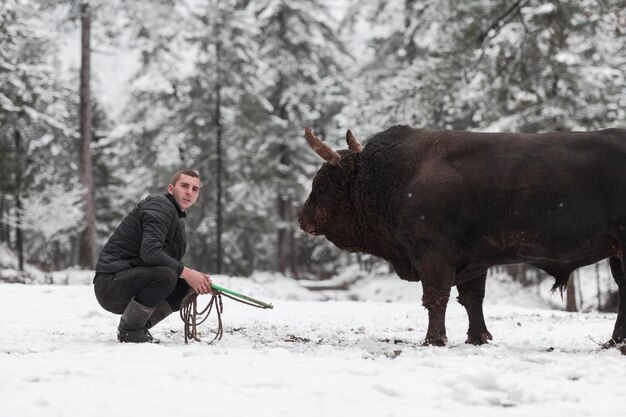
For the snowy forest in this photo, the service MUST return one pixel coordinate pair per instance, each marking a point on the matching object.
(226, 87)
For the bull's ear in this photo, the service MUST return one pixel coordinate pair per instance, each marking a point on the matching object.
(353, 144)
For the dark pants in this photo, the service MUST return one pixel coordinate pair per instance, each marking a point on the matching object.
(150, 286)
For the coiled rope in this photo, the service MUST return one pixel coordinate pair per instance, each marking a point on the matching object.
(192, 317)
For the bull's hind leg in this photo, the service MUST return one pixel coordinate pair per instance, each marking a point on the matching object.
(619, 332)
(437, 279)
(471, 296)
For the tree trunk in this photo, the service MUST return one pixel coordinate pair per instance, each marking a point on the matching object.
(2, 225)
(570, 295)
(292, 240)
(284, 162)
(283, 203)
(19, 243)
(282, 230)
(88, 240)
(218, 150)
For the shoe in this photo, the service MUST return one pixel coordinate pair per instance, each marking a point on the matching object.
(132, 327)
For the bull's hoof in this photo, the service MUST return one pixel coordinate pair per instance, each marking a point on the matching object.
(435, 341)
(479, 339)
(608, 345)
(619, 343)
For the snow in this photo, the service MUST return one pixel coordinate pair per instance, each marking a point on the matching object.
(9, 268)
(306, 357)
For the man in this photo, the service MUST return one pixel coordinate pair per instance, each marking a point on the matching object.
(139, 273)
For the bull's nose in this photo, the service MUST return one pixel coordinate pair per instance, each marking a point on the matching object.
(306, 226)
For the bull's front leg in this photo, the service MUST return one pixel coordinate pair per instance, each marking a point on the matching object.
(437, 279)
(471, 296)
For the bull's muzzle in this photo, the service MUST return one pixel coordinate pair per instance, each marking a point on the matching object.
(305, 224)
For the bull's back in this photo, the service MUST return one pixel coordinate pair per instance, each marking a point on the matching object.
(510, 168)
(514, 189)
(556, 198)
(549, 177)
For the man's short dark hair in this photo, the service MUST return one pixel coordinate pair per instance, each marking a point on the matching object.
(180, 172)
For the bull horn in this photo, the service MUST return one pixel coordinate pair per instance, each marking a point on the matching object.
(353, 144)
(326, 152)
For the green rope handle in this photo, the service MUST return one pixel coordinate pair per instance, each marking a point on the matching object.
(241, 296)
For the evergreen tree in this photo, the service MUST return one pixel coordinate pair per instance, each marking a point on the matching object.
(303, 62)
(554, 66)
(224, 72)
(36, 131)
(198, 104)
(228, 90)
(525, 65)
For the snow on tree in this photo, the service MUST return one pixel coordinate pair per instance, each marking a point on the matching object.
(303, 59)
(35, 100)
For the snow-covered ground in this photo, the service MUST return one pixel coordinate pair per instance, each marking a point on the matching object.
(306, 357)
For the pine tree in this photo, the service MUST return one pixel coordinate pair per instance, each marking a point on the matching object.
(527, 65)
(224, 72)
(303, 60)
(37, 128)
(551, 66)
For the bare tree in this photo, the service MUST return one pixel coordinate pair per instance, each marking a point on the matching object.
(19, 241)
(88, 238)
(219, 223)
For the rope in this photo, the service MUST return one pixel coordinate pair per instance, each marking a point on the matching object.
(192, 318)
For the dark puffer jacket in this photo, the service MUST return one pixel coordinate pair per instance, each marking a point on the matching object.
(152, 234)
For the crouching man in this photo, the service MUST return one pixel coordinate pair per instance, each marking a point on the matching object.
(139, 273)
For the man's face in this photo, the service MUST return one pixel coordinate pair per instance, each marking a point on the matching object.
(185, 192)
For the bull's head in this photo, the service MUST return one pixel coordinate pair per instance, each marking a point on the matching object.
(329, 210)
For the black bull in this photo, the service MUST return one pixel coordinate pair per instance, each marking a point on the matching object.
(444, 206)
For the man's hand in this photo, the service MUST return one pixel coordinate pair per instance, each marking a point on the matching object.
(199, 282)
